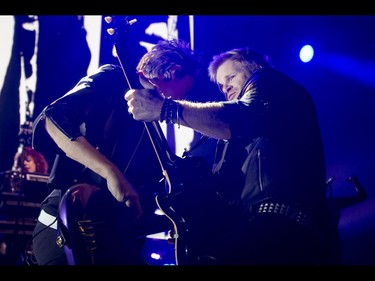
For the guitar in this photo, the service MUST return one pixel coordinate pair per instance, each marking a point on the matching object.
(90, 236)
(76, 232)
(183, 176)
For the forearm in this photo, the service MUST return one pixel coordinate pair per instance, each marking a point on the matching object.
(81, 151)
(206, 118)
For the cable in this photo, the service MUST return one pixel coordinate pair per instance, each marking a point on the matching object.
(29, 257)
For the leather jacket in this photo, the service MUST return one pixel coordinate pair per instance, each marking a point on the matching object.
(276, 151)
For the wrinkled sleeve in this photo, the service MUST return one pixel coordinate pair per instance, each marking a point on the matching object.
(68, 113)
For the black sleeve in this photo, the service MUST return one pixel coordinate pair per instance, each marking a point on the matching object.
(68, 113)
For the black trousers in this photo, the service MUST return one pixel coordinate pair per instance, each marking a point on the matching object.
(45, 248)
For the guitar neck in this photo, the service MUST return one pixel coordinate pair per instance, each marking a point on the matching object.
(166, 158)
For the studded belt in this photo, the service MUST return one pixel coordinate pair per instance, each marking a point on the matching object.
(287, 211)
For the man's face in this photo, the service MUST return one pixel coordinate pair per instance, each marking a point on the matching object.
(176, 88)
(231, 76)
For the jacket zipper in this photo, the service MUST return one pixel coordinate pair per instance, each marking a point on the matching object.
(260, 170)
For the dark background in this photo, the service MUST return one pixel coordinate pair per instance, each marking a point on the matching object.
(341, 79)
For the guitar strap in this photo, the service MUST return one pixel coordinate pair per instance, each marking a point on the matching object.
(135, 151)
(202, 140)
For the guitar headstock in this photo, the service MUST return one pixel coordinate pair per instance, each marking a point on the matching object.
(117, 24)
(122, 30)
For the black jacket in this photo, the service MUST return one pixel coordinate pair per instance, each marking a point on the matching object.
(276, 151)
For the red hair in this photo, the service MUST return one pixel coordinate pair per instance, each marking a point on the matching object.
(40, 161)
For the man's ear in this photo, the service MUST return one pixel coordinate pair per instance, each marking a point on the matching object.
(145, 83)
(175, 70)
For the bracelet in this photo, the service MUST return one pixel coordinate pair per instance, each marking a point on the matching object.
(171, 112)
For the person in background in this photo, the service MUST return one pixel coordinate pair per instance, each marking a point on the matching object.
(29, 160)
(26, 160)
(99, 146)
(270, 163)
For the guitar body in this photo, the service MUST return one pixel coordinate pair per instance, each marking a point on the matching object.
(95, 229)
(72, 213)
(196, 210)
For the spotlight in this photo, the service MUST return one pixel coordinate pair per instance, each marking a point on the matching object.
(306, 53)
